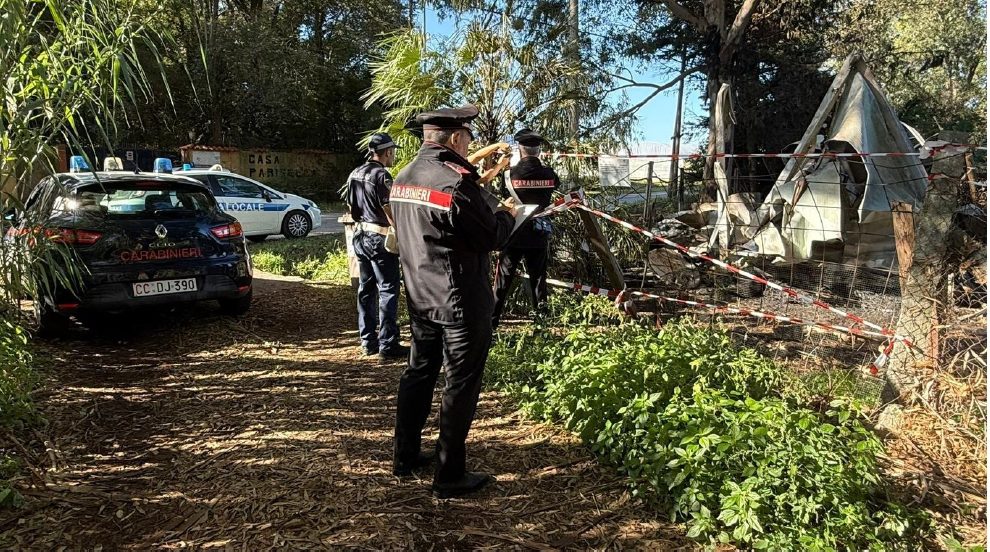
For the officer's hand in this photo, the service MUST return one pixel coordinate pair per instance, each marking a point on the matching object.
(487, 151)
(491, 173)
(510, 205)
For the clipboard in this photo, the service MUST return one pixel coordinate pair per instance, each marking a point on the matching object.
(524, 212)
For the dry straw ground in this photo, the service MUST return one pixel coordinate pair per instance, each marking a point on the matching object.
(190, 429)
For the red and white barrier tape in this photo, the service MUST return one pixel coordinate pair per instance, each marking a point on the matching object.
(569, 201)
(718, 308)
(881, 360)
(575, 200)
(611, 293)
(793, 293)
(930, 149)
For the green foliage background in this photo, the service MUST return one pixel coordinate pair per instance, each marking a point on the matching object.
(70, 71)
(273, 74)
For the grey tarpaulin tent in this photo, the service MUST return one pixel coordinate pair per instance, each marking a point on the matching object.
(839, 210)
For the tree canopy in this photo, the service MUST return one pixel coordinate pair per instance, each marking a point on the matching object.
(282, 74)
(299, 73)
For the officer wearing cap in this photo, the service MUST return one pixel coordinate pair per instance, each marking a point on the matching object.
(534, 183)
(446, 227)
(378, 287)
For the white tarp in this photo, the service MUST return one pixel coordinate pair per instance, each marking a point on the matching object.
(842, 206)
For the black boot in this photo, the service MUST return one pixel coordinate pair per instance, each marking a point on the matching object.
(402, 469)
(467, 484)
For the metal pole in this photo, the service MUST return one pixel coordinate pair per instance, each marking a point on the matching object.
(648, 207)
(674, 187)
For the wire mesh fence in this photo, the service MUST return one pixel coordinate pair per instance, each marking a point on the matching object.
(851, 266)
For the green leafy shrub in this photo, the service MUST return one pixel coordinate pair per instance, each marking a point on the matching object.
(569, 309)
(593, 372)
(17, 380)
(9, 497)
(756, 472)
(17, 376)
(710, 433)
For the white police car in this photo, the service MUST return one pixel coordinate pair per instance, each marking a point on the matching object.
(261, 210)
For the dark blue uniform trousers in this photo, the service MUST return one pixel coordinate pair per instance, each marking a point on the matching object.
(509, 260)
(378, 292)
(462, 350)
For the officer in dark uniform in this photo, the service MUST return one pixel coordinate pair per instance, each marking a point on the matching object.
(447, 225)
(534, 183)
(378, 287)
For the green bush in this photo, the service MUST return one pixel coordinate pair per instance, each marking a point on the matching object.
(17, 380)
(709, 433)
(17, 376)
(763, 473)
(570, 309)
(322, 258)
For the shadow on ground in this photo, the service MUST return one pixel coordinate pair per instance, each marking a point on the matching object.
(187, 428)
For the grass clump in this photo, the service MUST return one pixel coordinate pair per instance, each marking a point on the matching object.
(710, 433)
(320, 258)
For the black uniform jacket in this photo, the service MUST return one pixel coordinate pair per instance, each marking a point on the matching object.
(534, 183)
(367, 193)
(446, 229)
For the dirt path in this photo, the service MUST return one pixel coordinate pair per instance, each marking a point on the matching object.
(191, 429)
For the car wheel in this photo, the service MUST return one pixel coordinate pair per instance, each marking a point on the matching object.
(296, 225)
(257, 239)
(236, 307)
(51, 323)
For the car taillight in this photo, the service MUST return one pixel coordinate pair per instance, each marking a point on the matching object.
(74, 237)
(227, 231)
(87, 237)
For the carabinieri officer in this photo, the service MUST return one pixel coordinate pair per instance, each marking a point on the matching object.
(534, 183)
(446, 228)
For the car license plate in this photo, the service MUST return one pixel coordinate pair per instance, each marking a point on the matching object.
(162, 287)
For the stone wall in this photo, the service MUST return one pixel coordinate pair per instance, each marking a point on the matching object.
(313, 174)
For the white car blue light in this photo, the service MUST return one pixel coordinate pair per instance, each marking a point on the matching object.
(262, 210)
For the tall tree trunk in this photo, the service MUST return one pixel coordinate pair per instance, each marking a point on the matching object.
(574, 47)
(924, 290)
(722, 42)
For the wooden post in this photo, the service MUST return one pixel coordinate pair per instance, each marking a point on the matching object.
(974, 196)
(602, 249)
(673, 187)
(903, 218)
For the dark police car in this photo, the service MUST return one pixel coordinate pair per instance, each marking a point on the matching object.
(146, 239)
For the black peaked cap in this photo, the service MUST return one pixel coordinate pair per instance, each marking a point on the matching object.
(448, 118)
(529, 137)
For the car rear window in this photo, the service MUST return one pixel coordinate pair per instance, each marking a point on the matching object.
(139, 199)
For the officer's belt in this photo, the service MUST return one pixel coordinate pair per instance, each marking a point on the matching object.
(371, 227)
